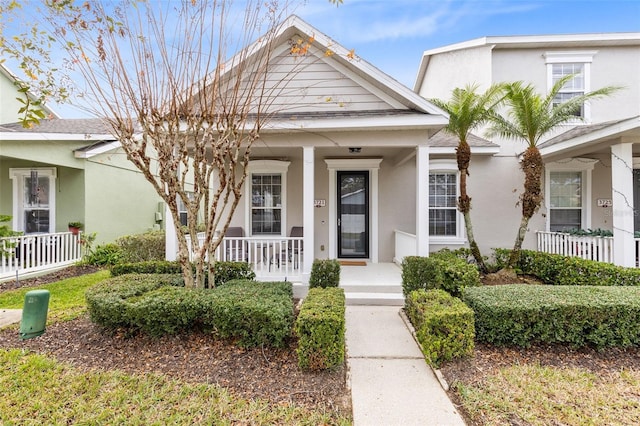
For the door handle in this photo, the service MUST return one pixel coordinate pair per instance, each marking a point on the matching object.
(339, 221)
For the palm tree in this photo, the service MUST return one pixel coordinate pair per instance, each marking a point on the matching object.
(532, 116)
(468, 110)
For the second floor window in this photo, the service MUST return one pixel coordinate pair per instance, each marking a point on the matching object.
(574, 87)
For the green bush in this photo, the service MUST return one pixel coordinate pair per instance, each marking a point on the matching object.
(104, 255)
(249, 312)
(563, 270)
(441, 270)
(142, 247)
(223, 271)
(320, 328)
(324, 273)
(576, 315)
(443, 323)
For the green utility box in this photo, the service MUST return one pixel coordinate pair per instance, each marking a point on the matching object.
(34, 314)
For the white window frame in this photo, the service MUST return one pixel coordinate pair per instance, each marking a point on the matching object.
(584, 165)
(17, 175)
(584, 58)
(448, 166)
(266, 167)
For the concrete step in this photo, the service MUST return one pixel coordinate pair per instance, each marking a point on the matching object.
(374, 299)
(390, 288)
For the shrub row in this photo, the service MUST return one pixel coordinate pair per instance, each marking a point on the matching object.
(577, 315)
(142, 247)
(444, 325)
(320, 328)
(324, 273)
(441, 270)
(252, 313)
(562, 270)
(223, 271)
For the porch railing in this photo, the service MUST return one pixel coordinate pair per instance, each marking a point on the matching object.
(38, 252)
(405, 245)
(270, 258)
(586, 247)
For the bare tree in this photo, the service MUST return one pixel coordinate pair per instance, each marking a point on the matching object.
(185, 110)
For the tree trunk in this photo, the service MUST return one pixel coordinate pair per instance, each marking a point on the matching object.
(463, 157)
(533, 168)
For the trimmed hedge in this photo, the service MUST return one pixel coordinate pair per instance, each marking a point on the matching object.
(324, 273)
(556, 269)
(252, 313)
(224, 271)
(577, 315)
(142, 247)
(441, 270)
(444, 325)
(320, 328)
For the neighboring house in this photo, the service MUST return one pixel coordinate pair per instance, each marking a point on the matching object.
(354, 160)
(10, 105)
(592, 177)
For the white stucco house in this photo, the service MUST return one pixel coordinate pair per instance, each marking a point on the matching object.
(592, 177)
(352, 159)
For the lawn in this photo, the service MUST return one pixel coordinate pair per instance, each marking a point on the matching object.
(38, 390)
(66, 300)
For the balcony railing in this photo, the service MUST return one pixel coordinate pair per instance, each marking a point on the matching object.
(271, 258)
(38, 252)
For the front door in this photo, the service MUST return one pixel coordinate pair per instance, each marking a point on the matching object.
(353, 214)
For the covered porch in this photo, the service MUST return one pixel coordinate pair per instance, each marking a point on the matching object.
(592, 185)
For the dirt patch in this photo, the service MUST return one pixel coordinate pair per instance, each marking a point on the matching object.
(506, 276)
(266, 373)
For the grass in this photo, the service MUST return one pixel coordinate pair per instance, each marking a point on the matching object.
(541, 395)
(66, 297)
(38, 390)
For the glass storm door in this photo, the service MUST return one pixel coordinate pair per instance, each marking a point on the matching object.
(353, 214)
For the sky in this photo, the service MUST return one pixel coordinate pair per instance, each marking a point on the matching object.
(393, 34)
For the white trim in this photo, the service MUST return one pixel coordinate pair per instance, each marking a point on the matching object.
(308, 210)
(448, 166)
(479, 150)
(44, 136)
(372, 165)
(17, 175)
(406, 122)
(584, 165)
(267, 166)
(583, 57)
(572, 56)
(422, 201)
(101, 149)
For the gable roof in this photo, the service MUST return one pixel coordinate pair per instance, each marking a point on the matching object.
(573, 41)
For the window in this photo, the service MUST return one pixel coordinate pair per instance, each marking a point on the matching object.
(266, 197)
(568, 195)
(182, 209)
(266, 203)
(574, 87)
(443, 194)
(562, 64)
(565, 205)
(34, 199)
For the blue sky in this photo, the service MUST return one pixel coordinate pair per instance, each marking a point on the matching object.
(393, 34)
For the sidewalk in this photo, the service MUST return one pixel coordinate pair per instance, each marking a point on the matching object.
(391, 384)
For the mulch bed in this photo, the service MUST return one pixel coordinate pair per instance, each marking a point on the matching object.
(265, 373)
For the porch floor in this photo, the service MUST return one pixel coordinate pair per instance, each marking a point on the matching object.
(371, 275)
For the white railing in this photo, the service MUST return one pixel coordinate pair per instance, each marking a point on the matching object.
(38, 252)
(586, 247)
(405, 245)
(271, 258)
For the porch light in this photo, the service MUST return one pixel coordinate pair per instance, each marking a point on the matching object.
(355, 150)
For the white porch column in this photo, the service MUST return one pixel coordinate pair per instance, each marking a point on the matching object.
(622, 197)
(170, 238)
(422, 201)
(308, 194)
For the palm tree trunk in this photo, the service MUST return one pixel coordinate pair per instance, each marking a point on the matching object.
(463, 157)
(533, 168)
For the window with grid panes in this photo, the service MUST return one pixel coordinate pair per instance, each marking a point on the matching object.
(443, 194)
(266, 203)
(565, 203)
(574, 87)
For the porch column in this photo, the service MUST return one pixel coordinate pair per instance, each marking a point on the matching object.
(170, 237)
(622, 197)
(422, 201)
(308, 194)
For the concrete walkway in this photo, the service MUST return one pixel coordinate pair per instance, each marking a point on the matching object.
(9, 316)
(391, 384)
